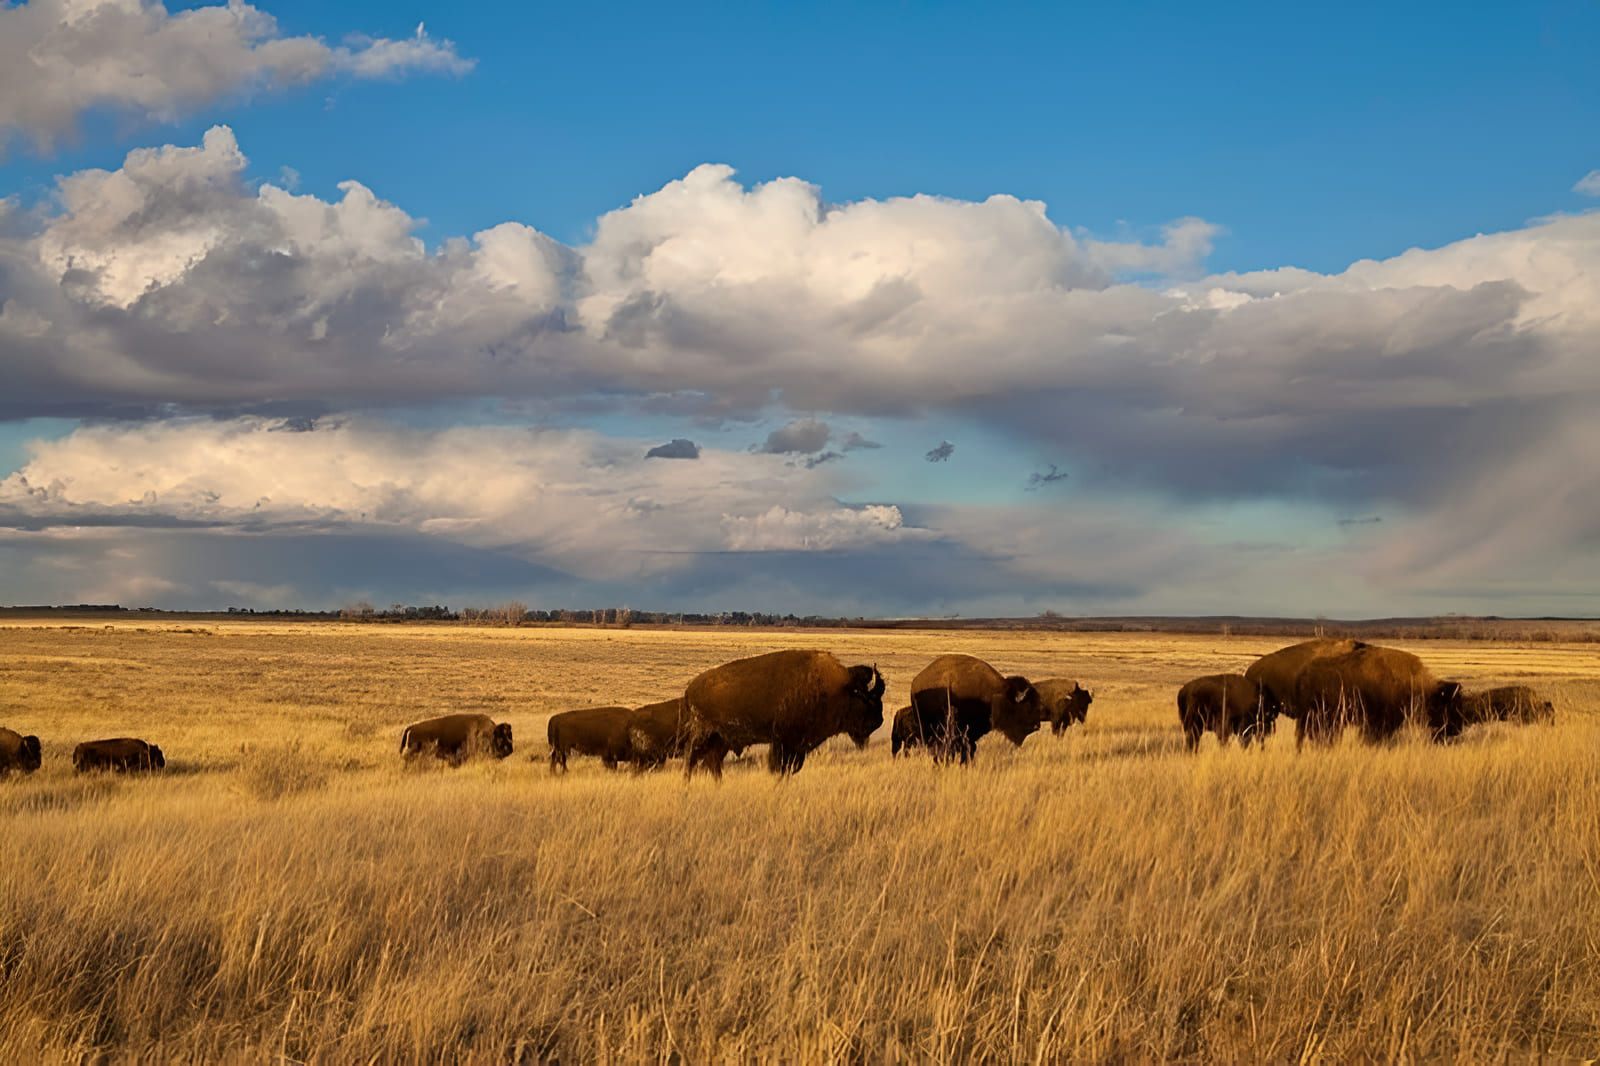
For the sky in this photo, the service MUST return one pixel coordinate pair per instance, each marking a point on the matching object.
(872, 309)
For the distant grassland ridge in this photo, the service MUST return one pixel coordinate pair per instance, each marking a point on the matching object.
(290, 890)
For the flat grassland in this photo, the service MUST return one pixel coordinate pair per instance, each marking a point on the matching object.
(288, 890)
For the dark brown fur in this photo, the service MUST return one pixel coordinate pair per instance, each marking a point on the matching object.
(1064, 702)
(1277, 672)
(1225, 704)
(790, 700)
(598, 731)
(1509, 703)
(122, 754)
(906, 733)
(1378, 689)
(656, 733)
(18, 752)
(457, 737)
(960, 698)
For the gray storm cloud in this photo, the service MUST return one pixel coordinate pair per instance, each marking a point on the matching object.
(62, 58)
(677, 448)
(802, 435)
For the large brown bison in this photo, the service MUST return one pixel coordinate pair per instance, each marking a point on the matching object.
(1277, 672)
(598, 731)
(122, 754)
(1509, 703)
(1063, 701)
(656, 733)
(18, 752)
(456, 738)
(789, 700)
(1226, 704)
(1378, 689)
(958, 699)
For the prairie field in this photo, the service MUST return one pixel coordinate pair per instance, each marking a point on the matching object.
(289, 890)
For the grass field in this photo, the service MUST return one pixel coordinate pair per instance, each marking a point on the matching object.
(288, 890)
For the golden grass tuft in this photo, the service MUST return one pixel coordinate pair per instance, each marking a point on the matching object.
(1098, 897)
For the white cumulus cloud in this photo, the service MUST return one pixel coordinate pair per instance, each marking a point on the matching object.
(62, 58)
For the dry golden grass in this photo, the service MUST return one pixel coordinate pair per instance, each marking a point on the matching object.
(288, 890)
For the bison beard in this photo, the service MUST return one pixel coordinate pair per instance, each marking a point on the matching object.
(789, 700)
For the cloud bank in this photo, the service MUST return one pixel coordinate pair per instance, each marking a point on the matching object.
(62, 58)
(1450, 390)
(590, 505)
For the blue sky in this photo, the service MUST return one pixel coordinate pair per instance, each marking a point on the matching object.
(1256, 438)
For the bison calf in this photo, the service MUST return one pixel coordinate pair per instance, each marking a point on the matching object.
(1225, 704)
(906, 733)
(599, 731)
(121, 754)
(1509, 703)
(1064, 702)
(457, 737)
(655, 733)
(18, 752)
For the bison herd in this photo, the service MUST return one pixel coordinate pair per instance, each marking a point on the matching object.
(793, 701)
(1329, 684)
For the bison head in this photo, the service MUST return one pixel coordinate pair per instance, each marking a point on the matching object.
(30, 753)
(865, 712)
(1017, 711)
(500, 741)
(1077, 708)
(158, 761)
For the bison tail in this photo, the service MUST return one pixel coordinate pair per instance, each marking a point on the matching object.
(405, 739)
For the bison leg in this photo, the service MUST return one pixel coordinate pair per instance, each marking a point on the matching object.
(708, 751)
(782, 759)
(716, 751)
(558, 760)
(609, 761)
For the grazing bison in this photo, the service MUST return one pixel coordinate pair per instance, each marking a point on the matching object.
(1379, 689)
(1226, 704)
(458, 737)
(1509, 703)
(1064, 702)
(656, 733)
(18, 752)
(599, 731)
(960, 698)
(122, 754)
(789, 700)
(1277, 673)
